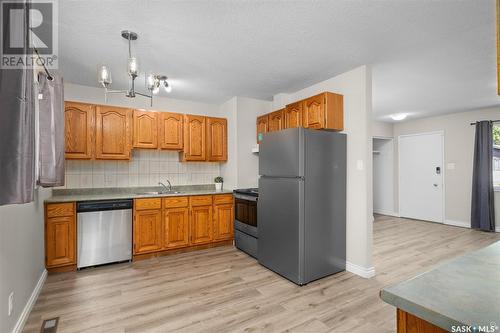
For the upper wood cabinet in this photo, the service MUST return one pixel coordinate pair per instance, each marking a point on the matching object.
(79, 119)
(113, 129)
(194, 138)
(60, 235)
(171, 130)
(262, 124)
(275, 122)
(216, 139)
(145, 129)
(324, 111)
(293, 115)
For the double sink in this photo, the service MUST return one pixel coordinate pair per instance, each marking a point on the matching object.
(158, 192)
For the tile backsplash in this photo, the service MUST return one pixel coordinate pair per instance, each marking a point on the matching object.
(146, 168)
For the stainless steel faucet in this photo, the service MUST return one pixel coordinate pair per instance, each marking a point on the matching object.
(169, 188)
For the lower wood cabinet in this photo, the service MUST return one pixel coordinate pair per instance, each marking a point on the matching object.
(223, 222)
(60, 235)
(147, 226)
(201, 219)
(408, 323)
(176, 222)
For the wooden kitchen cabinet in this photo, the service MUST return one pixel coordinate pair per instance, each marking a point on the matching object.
(216, 139)
(170, 131)
(176, 227)
(293, 115)
(79, 122)
(324, 111)
(275, 122)
(113, 133)
(408, 323)
(147, 231)
(194, 138)
(223, 217)
(201, 219)
(60, 235)
(262, 124)
(145, 129)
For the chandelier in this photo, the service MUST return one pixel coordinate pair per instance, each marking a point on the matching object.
(153, 81)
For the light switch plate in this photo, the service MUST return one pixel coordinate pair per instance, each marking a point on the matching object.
(11, 303)
(359, 165)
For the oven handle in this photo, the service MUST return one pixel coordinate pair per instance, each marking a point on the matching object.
(245, 197)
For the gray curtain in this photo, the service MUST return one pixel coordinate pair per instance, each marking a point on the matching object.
(483, 208)
(51, 129)
(17, 133)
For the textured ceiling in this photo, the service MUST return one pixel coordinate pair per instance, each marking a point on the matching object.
(428, 57)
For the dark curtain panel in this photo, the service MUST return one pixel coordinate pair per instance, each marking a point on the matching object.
(483, 206)
(51, 129)
(17, 131)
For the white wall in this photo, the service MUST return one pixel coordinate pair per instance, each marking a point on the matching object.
(459, 151)
(382, 129)
(21, 254)
(383, 176)
(355, 85)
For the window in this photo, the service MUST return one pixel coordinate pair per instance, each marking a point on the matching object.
(496, 154)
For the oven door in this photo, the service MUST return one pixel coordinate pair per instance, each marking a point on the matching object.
(245, 213)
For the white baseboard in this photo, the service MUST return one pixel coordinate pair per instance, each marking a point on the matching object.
(364, 272)
(29, 305)
(385, 212)
(461, 224)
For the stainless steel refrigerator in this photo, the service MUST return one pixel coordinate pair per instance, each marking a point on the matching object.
(302, 203)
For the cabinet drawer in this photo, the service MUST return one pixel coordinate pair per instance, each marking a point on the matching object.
(60, 209)
(144, 204)
(201, 200)
(223, 199)
(175, 202)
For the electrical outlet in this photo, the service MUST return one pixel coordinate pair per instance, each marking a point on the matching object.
(11, 302)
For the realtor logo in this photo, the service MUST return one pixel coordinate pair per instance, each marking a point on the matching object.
(26, 27)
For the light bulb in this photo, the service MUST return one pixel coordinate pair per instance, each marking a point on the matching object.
(156, 90)
(168, 87)
(104, 75)
(132, 66)
(399, 116)
(150, 81)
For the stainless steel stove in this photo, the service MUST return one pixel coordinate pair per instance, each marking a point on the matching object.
(245, 220)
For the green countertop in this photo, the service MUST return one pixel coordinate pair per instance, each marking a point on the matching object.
(69, 195)
(463, 291)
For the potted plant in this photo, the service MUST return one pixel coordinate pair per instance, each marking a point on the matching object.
(218, 183)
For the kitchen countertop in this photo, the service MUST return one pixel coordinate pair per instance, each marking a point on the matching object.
(463, 291)
(69, 195)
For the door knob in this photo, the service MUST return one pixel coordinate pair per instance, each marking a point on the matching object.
(435, 185)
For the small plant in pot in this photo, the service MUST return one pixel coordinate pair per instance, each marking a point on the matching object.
(218, 183)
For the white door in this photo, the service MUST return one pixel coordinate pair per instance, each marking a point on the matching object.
(421, 194)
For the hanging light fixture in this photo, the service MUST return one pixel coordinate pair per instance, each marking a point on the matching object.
(153, 81)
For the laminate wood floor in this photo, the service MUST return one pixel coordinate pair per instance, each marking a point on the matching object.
(224, 290)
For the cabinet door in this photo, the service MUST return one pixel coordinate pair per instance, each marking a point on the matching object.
(216, 139)
(314, 112)
(194, 138)
(262, 125)
(113, 140)
(201, 225)
(293, 115)
(176, 226)
(79, 122)
(145, 129)
(171, 131)
(275, 121)
(147, 231)
(223, 222)
(60, 241)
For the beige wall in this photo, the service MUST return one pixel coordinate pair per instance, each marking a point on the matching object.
(355, 85)
(459, 150)
(382, 129)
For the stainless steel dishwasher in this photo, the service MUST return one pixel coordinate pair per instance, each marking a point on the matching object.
(104, 230)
